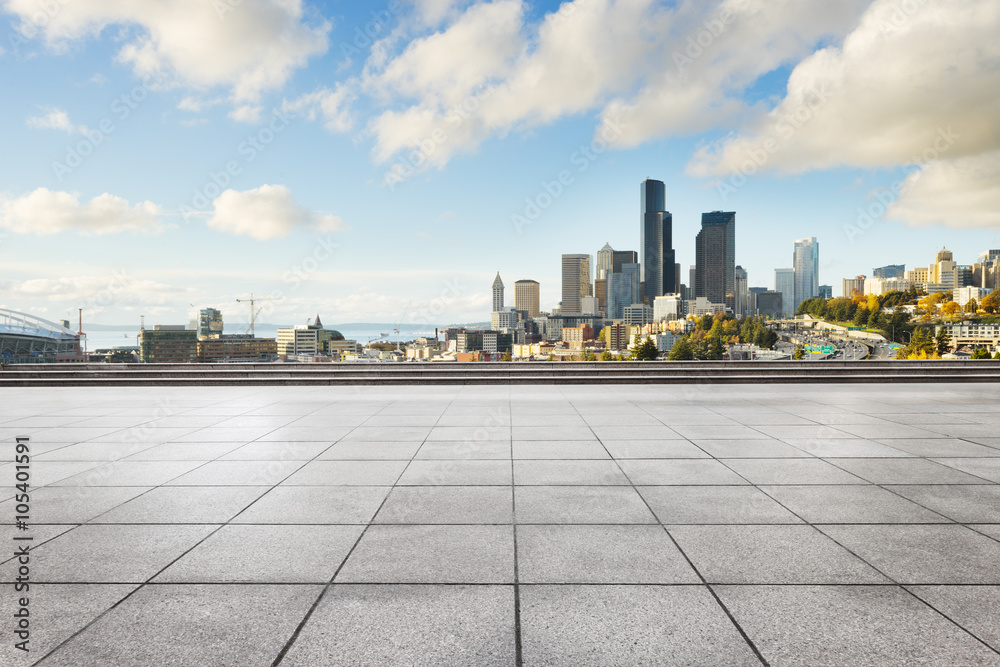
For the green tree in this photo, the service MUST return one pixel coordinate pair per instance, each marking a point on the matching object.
(942, 344)
(981, 353)
(606, 356)
(645, 351)
(506, 357)
(682, 350)
(971, 307)
(861, 317)
(800, 353)
(715, 349)
(997, 355)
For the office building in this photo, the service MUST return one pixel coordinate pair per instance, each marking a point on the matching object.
(623, 291)
(656, 241)
(601, 294)
(306, 339)
(806, 263)
(620, 257)
(668, 307)
(880, 286)
(235, 348)
(742, 308)
(209, 323)
(715, 258)
(497, 293)
(168, 344)
(826, 291)
(889, 271)
(589, 305)
(617, 336)
(504, 319)
(752, 298)
(526, 297)
(784, 283)
(963, 295)
(605, 258)
(575, 282)
(637, 315)
(854, 286)
(986, 271)
(770, 304)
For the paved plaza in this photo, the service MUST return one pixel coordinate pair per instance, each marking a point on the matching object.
(536, 525)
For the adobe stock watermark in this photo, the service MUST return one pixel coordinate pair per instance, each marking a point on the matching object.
(324, 250)
(885, 197)
(430, 312)
(901, 14)
(121, 108)
(411, 163)
(104, 298)
(551, 190)
(246, 152)
(31, 27)
(758, 156)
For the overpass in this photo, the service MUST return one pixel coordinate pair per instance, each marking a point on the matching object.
(29, 339)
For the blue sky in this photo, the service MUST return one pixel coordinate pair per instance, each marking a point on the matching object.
(264, 146)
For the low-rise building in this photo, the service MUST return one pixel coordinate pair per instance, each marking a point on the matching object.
(577, 337)
(973, 334)
(236, 348)
(168, 344)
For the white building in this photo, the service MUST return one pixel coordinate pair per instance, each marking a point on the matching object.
(702, 306)
(638, 314)
(963, 295)
(668, 307)
(503, 319)
(880, 286)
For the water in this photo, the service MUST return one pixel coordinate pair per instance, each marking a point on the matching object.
(99, 340)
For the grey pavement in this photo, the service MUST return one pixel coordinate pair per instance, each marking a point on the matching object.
(516, 525)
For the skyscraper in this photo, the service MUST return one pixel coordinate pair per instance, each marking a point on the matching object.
(656, 240)
(621, 257)
(605, 259)
(784, 283)
(623, 290)
(526, 297)
(742, 293)
(575, 281)
(715, 258)
(889, 271)
(806, 262)
(497, 293)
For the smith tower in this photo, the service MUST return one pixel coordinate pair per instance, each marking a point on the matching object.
(656, 239)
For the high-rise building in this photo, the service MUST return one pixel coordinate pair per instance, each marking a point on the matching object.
(806, 262)
(784, 283)
(826, 291)
(601, 293)
(209, 323)
(754, 293)
(497, 293)
(854, 286)
(656, 240)
(715, 258)
(605, 257)
(623, 291)
(620, 257)
(526, 297)
(986, 271)
(742, 308)
(575, 282)
(770, 304)
(889, 271)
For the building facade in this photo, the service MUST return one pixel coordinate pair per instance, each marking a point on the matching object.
(655, 240)
(784, 283)
(622, 291)
(575, 282)
(805, 260)
(167, 344)
(209, 323)
(526, 293)
(742, 307)
(890, 271)
(715, 258)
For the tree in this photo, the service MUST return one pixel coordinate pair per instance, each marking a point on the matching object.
(941, 340)
(606, 356)
(682, 350)
(799, 353)
(715, 349)
(991, 304)
(950, 309)
(971, 307)
(506, 357)
(997, 355)
(589, 356)
(981, 353)
(645, 351)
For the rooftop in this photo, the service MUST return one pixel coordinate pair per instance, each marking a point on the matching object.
(577, 525)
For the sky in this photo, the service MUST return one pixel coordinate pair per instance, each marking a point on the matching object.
(381, 161)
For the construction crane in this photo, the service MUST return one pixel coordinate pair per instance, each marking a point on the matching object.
(254, 312)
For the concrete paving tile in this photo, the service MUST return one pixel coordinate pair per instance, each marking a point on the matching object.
(750, 449)
(186, 451)
(72, 434)
(184, 504)
(905, 471)
(520, 419)
(714, 505)
(130, 473)
(991, 530)
(580, 504)
(729, 431)
(933, 447)
(926, 418)
(447, 504)
(265, 554)
(223, 434)
(653, 449)
(619, 419)
(56, 612)
(352, 473)
(846, 448)
(489, 418)
(370, 451)
(850, 504)
(993, 442)
(464, 449)
(922, 554)
(91, 451)
(771, 419)
(277, 451)
(465, 472)
(569, 473)
(637, 432)
(975, 608)
(384, 434)
(192, 625)
(358, 624)
(558, 449)
(296, 433)
(863, 626)
(791, 471)
(679, 471)
(40, 533)
(628, 625)
(432, 554)
(810, 432)
(872, 431)
(964, 430)
(770, 555)
(600, 555)
(64, 504)
(110, 553)
(838, 418)
(965, 503)
(549, 433)
(316, 505)
(237, 473)
(987, 469)
(44, 473)
(259, 421)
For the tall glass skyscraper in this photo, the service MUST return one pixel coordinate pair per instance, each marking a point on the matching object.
(623, 290)
(656, 240)
(715, 258)
(806, 264)
(784, 282)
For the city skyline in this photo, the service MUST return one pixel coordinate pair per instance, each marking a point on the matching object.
(153, 176)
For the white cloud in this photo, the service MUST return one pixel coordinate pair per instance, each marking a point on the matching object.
(53, 119)
(246, 113)
(44, 212)
(962, 193)
(247, 46)
(332, 105)
(267, 212)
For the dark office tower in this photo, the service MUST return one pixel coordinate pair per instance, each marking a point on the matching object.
(658, 276)
(715, 258)
(620, 257)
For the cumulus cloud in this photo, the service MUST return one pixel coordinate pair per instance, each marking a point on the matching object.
(44, 212)
(52, 119)
(957, 193)
(267, 212)
(333, 106)
(249, 47)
